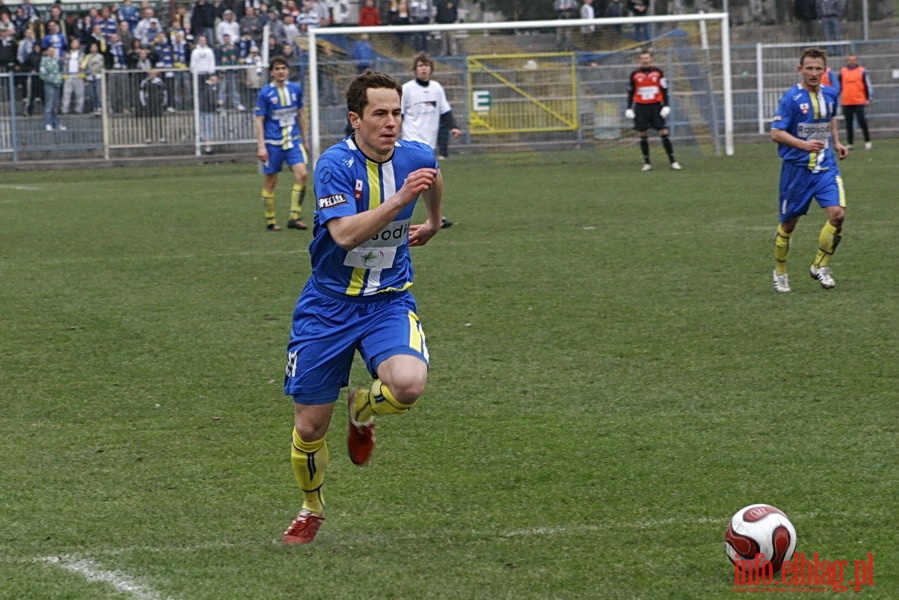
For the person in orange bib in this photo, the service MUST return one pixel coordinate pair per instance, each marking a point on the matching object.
(832, 79)
(855, 95)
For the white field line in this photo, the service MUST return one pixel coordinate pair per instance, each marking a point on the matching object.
(650, 524)
(158, 257)
(132, 194)
(26, 188)
(638, 525)
(93, 572)
(642, 525)
(125, 584)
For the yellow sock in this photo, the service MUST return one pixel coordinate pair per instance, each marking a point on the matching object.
(781, 250)
(268, 206)
(828, 240)
(297, 193)
(310, 461)
(377, 400)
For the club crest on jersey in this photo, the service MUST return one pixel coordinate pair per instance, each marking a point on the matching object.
(325, 175)
(804, 107)
(357, 193)
(372, 258)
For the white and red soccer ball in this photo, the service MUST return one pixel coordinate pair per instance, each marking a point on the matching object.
(760, 529)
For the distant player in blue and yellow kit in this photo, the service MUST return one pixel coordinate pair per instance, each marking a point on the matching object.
(280, 138)
(805, 129)
(357, 297)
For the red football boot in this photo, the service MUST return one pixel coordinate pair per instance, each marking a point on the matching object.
(303, 528)
(360, 440)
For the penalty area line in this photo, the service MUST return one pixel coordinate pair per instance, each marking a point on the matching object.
(93, 572)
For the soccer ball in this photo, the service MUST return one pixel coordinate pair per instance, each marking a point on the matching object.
(760, 529)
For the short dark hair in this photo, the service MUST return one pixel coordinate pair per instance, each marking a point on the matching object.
(813, 53)
(357, 91)
(422, 57)
(277, 60)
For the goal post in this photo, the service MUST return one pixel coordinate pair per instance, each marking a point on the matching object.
(502, 84)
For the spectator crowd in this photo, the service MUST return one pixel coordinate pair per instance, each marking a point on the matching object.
(60, 55)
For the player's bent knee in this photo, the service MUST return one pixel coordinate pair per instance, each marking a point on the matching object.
(310, 432)
(408, 391)
(405, 375)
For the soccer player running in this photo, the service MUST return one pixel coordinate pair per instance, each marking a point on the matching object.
(425, 108)
(281, 137)
(805, 129)
(357, 296)
(647, 105)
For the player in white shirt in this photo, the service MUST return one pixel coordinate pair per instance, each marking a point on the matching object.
(424, 108)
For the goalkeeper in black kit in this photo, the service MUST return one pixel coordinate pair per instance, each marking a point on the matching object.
(647, 105)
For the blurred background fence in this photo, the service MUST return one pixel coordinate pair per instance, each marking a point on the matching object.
(196, 120)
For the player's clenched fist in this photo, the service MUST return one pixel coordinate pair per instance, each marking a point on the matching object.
(419, 181)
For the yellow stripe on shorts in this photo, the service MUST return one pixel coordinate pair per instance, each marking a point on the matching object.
(416, 337)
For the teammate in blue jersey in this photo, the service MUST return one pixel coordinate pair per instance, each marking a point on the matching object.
(281, 138)
(805, 129)
(357, 297)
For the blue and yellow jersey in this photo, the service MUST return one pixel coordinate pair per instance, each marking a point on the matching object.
(279, 106)
(348, 183)
(807, 116)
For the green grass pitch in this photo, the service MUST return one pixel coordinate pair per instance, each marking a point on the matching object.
(612, 377)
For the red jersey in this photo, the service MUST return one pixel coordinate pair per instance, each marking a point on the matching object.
(647, 86)
(369, 16)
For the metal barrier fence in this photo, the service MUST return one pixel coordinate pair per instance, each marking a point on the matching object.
(127, 113)
(195, 119)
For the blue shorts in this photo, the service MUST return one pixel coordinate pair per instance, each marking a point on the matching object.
(798, 186)
(277, 156)
(327, 331)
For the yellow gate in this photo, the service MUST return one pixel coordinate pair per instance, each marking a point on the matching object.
(517, 93)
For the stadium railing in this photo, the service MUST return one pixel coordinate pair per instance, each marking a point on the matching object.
(593, 87)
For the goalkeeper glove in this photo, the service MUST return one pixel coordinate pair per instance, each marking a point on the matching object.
(629, 113)
(666, 110)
